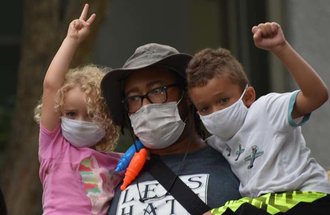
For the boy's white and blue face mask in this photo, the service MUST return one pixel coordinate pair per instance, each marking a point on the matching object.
(226, 122)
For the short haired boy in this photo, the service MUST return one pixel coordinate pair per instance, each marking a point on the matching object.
(262, 139)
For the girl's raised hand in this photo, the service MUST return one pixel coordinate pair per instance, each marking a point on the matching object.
(268, 36)
(79, 28)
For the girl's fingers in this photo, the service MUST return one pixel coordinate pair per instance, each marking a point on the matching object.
(91, 19)
(84, 12)
(77, 24)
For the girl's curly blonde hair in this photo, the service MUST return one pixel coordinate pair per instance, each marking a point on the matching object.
(88, 78)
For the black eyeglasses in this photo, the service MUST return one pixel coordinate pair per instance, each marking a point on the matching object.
(156, 95)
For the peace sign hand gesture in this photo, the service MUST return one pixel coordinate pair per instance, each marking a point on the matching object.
(79, 28)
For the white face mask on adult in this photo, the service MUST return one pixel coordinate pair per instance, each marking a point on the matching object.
(81, 133)
(157, 125)
(226, 122)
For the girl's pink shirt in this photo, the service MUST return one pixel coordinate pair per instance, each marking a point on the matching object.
(75, 180)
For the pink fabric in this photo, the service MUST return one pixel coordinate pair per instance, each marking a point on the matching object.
(75, 180)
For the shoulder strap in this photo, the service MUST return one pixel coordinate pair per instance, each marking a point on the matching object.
(176, 187)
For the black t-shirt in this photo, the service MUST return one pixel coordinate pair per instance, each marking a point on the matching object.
(206, 172)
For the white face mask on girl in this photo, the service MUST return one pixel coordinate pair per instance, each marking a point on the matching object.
(157, 125)
(81, 133)
(226, 122)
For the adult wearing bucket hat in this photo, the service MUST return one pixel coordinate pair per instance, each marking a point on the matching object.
(149, 55)
(148, 97)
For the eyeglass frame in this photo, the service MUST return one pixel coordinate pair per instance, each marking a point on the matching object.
(146, 96)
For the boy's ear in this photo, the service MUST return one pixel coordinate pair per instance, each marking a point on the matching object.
(249, 97)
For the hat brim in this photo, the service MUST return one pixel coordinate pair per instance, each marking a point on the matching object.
(112, 83)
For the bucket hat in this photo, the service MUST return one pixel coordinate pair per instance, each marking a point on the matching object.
(147, 55)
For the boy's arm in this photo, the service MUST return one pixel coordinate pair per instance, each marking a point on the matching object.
(54, 78)
(314, 92)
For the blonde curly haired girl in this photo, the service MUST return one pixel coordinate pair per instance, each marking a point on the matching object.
(77, 135)
(88, 79)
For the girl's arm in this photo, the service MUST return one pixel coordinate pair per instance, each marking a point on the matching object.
(314, 92)
(54, 78)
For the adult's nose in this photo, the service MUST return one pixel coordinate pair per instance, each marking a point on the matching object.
(145, 101)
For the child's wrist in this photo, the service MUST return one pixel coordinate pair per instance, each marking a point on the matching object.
(280, 48)
(72, 40)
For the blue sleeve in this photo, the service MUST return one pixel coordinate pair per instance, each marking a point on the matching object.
(294, 122)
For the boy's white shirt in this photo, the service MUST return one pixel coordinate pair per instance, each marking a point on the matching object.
(269, 154)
